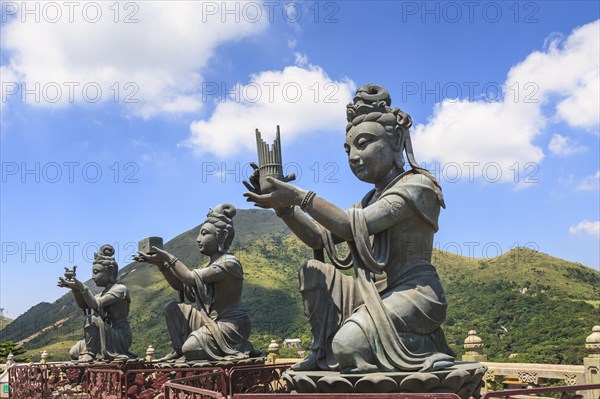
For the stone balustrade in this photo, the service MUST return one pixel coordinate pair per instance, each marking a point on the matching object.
(533, 373)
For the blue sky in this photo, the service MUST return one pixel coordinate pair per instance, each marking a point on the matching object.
(125, 120)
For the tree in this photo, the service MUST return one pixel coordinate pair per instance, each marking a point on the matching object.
(8, 347)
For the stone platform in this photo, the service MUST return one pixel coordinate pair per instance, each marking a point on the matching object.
(464, 379)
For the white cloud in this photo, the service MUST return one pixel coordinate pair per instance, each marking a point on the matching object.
(8, 85)
(563, 145)
(492, 137)
(503, 132)
(302, 99)
(586, 227)
(569, 69)
(590, 182)
(129, 61)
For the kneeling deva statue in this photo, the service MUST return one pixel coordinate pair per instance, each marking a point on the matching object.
(218, 327)
(389, 316)
(106, 328)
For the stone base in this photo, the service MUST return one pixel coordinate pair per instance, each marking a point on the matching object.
(463, 379)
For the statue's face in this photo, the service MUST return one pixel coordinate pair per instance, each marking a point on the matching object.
(370, 153)
(207, 240)
(100, 275)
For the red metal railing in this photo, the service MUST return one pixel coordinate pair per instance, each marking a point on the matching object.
(205, 386)
(104, 383)
(54, 380)
(264, 378)
(27, 382)
(149, 382)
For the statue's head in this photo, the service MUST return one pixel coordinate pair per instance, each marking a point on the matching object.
(377, 136)
(216, 233)
(105, 268)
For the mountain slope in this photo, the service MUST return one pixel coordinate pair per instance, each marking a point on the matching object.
(4, 321)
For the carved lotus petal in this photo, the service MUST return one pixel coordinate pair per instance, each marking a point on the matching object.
(419, 382)
(455, 380)
(376, 383)
(305, 384)
(334, 385)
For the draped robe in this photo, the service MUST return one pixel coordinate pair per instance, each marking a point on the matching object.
(396, 298)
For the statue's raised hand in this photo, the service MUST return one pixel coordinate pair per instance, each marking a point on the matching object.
(283, 196)
(254, 185)
(157, 257)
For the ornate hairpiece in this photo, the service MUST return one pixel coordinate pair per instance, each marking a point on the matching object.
(369, 98)
(223, 212)
(106, 252)
(105, 258)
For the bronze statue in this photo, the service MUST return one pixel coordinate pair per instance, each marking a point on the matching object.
(106, 328)
(388, 317)
(218, 327)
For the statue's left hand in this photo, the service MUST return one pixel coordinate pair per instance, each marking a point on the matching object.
(73, 284)
(285, 195)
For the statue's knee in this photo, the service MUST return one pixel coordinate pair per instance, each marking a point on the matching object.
(349, 340)
(74, 352)
(192, 349)
(190, 344)
(341, 346)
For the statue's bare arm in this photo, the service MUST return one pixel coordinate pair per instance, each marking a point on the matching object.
(380, 216)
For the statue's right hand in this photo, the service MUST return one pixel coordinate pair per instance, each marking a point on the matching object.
(254, 185)
(74, 284)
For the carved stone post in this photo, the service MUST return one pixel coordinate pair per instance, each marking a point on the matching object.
(473, 348)
(44, 358)
(149, 353)
(10, 360)
(273, 352)
(592, 362)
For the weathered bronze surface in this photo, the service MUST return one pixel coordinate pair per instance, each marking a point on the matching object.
(218, 327)
(387, 318)
(107, 334)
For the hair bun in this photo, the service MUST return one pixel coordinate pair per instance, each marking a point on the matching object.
(227, 210)
(107, 250)
(372, 94)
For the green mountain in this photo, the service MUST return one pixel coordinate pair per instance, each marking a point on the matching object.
(522, 302)
(4, 321)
